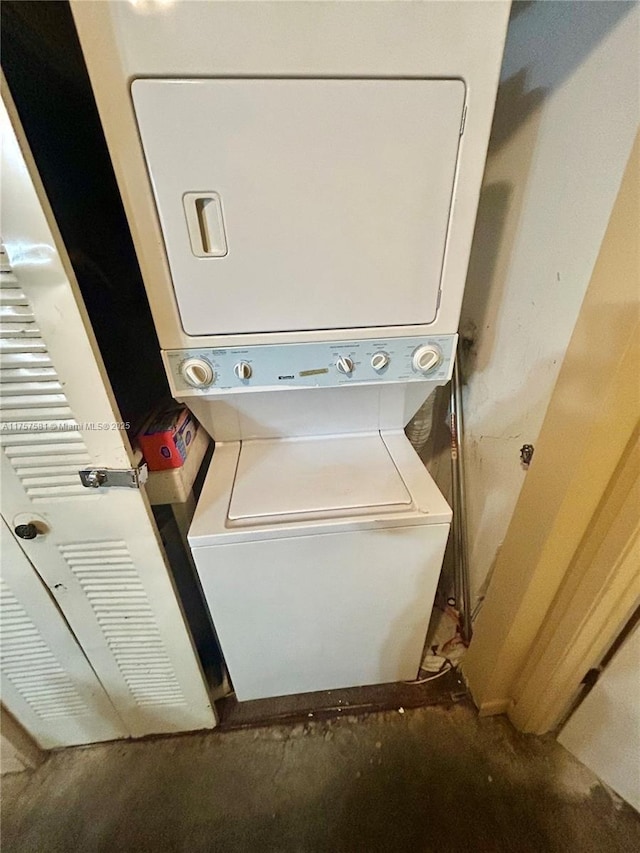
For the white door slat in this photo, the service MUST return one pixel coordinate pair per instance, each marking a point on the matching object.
(16, 380)
(27, 473)
(60, 416)
(21, 313)
(10, 345)
(25, 359)
(26, 463)
(54, 480)
(19, 331)
(39, 399)
(27, 443)
(31, 388)
(11, 296)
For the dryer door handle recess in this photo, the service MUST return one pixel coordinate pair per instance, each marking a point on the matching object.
(205, 223)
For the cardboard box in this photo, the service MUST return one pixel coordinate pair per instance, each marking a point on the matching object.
(167, 437)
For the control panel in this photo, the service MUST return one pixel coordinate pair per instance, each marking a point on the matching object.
(311, 365)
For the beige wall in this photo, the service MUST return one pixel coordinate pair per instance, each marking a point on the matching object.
(565, 120)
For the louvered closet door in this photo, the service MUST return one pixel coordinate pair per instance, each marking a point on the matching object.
(97, 552)
(47, 682)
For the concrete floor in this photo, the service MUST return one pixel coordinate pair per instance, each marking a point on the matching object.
(431, 779)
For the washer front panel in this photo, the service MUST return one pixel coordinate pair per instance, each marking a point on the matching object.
(311, 365)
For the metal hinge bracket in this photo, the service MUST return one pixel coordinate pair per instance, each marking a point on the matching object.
(96, 478)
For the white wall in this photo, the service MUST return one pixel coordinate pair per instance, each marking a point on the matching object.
(566, 116)
(604, 731)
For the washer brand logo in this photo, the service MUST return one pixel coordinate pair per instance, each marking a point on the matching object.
(291, 376)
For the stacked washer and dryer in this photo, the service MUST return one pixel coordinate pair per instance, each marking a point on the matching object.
(301, 181)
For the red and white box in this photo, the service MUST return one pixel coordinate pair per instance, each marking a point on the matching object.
(167, 437)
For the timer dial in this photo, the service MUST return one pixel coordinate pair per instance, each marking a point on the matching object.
(198, 372)
(345, 365)
(426, 358)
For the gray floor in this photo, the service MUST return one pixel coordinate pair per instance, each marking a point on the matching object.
(430, 779)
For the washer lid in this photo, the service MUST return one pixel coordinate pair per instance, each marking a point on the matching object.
(299, 476)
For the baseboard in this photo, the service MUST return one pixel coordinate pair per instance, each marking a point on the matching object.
(497, 706)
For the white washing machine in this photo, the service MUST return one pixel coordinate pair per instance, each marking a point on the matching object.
(319, 557)
(319, 535)
(301, 181)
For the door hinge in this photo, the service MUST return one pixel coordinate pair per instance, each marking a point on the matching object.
(464, 120)
(96, 478)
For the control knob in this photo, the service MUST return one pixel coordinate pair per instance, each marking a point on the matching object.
(198, 372)
(345, 365)
(426, 358)
(379, 360)
(243, 370)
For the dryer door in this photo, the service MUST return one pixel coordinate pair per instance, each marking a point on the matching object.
(297, 204)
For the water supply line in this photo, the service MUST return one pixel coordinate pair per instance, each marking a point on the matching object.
(462, 592)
